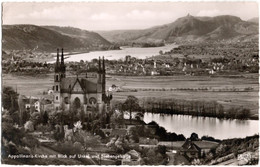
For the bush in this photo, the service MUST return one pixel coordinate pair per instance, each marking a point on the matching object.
(28, 126)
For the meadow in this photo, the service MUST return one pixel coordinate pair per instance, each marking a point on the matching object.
(228, 91)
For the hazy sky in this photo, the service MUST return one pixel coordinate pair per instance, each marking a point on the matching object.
(109, 16)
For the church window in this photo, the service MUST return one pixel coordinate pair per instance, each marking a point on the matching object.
(92, 100)
(57, 98)
(66, 100)
(57, 77)
(57, 88)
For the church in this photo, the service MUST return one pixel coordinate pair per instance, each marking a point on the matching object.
(79, 93)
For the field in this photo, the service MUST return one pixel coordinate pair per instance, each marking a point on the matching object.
(228, 91)
(28, 85)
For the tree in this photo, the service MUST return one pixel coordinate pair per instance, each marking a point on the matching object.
(131, 104)
(10, 99)
(181, 137)
(194, 137)
(243, 113)
(35, 118)
(45, 118)
(28, 126)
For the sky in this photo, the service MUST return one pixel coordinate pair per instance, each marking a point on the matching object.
(118, 15)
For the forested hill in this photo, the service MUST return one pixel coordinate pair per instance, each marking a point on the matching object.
(190, 28)
(40, 38)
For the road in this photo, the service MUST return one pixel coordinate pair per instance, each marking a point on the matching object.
(171, 158)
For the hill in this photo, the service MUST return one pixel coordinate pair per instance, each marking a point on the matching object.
(84, 36)
(31, 37)
(189, 28)
(235, 152)
(254, 20)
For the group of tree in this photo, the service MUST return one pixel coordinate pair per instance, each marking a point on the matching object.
(195, 108)
(235, 147)
(130, 105)
(15, 140)
(163, 135)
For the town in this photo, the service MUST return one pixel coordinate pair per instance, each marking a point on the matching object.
(78, 116)
(197, 59)
(154, 83)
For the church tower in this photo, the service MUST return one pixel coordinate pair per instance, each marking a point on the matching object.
(103, 80)
(57, 79)
(99, 73)
(62, 66)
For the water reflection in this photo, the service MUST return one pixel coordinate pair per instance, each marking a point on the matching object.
(220, 129)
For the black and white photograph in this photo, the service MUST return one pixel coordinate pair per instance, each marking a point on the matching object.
(130, 83)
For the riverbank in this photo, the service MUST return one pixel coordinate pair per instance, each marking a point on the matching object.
(204, 126)
(237, 114)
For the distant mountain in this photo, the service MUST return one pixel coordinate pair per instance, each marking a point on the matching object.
(19, 37)
(254, 20)
(187, 29)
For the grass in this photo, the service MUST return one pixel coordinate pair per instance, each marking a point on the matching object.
(227, 99)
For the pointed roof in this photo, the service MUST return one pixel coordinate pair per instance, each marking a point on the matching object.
(88, 85)
(134, 154)
(57, 65)
(80, 85)
(62, 65)
(190, 146)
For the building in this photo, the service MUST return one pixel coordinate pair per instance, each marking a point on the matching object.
(31, 104)
(80, 93)
(190, 150)
(132, 157)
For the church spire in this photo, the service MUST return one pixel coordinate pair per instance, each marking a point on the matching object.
(104, 69)
(62, 56)
(103, 79)
(57, 66)
(99, 65)
(57, 60)
(62, 65)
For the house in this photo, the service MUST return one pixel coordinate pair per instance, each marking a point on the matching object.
(30, 103)
(190, 150)
(37, 105)
(147, 143)
(46, 104)
(132, 157)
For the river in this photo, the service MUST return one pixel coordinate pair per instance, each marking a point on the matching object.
(180, 124)
(217, 128)
(140, 53)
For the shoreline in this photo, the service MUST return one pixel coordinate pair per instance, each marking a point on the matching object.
(253, 118)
